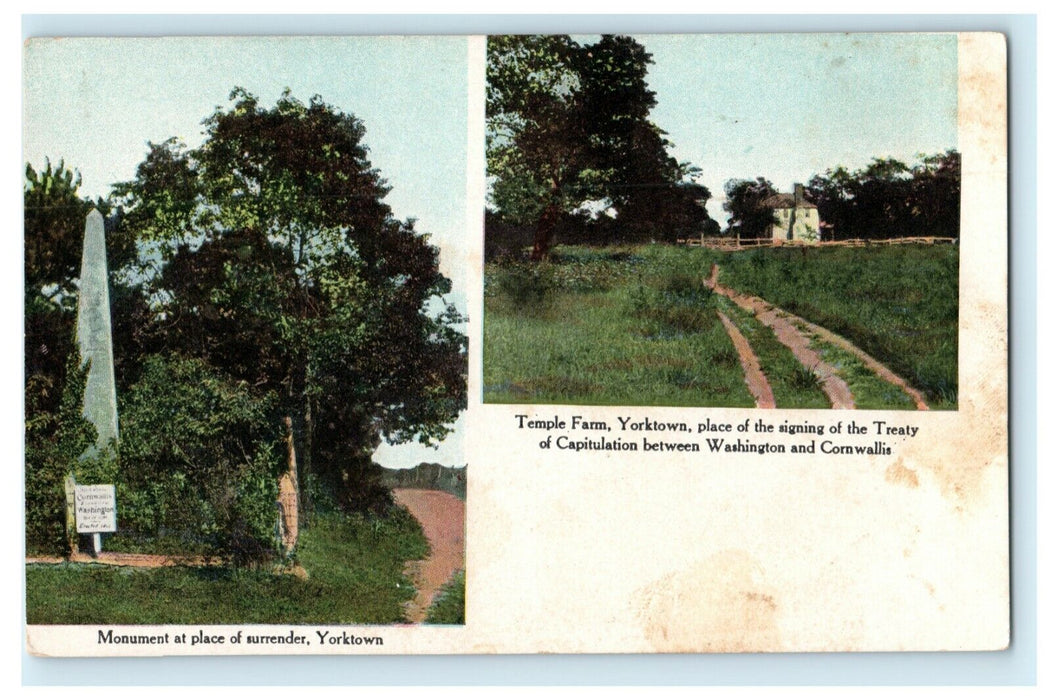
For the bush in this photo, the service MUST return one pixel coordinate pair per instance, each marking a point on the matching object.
(200, 461)
(57, 445)
(526, 285)
(448, 605)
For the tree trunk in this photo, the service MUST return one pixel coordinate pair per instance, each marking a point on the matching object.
(307, 461)
(544, 230)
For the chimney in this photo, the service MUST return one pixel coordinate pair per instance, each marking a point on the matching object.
(798, 195)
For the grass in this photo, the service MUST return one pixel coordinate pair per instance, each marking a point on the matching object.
(448, 605)
(898, 303)
(636, 326)
(355, 565)
(608, 326)
(870, 392)
(789, 381)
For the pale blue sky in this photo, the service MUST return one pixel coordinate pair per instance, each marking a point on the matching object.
(789, 106)
(96, 102)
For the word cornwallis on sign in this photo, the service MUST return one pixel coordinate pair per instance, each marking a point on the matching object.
(96, 508)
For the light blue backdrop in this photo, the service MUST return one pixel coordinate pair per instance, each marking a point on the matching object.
(1014, 666)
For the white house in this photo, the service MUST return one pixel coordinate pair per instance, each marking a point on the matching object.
(796, 218)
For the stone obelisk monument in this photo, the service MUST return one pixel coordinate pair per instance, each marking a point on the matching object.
(94, 334)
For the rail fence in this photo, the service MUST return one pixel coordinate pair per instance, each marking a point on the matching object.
(730, 243)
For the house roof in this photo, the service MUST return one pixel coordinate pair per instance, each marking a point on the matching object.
(785, 201)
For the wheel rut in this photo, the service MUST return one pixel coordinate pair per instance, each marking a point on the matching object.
(788, 329)
(753, 373)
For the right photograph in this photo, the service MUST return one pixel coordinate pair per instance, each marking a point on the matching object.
(734, 220)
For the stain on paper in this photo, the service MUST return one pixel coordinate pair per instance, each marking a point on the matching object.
(719, 605)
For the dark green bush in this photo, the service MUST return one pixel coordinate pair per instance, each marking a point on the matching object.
(55, 443)
(448, 606)
(525, 285)
(199, 461)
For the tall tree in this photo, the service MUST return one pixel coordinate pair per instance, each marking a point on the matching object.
(280, 263)
(749, 217)
(567, 124)
(536, 136)
(889, 199)
(655, 196)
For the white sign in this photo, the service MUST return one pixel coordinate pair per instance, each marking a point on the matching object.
(96, 508)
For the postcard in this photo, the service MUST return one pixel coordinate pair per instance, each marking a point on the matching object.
(516, 344)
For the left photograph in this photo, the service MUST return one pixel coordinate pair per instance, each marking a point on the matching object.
(245, 339)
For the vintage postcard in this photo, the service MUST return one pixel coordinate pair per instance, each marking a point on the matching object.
(516, 344)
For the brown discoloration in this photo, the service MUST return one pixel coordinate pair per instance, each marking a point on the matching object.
(718, 605)
(982, 81)
(960, 479)
(898, 473)
(753, 374)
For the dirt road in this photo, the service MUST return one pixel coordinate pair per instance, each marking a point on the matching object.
(753, 373)
(787, 327)
(442, 517)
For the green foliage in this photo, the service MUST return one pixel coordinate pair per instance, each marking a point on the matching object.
(749, 217)
(899, 303)
(526, 286)
(282, 266)
(199, 461)
(448, 605)
(356, 576)
(889, 199)
(54, 227)
(803, 378)
(55, 445)
(868, 389)
(568, 123)
(632, 326)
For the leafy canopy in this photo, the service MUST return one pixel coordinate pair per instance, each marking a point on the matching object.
(568, 124)
(274, 259)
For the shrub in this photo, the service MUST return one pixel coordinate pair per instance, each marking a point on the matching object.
(526, 285)
(55, 444)
(199, 461)
(448, 605)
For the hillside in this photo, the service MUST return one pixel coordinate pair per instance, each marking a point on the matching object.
(427, 475)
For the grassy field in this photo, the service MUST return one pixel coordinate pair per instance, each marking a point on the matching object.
(608, 326)
(355, 567)
(897, 303)
(635, 326)
(792, 384)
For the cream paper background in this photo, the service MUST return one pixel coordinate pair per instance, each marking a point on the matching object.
(646, 552)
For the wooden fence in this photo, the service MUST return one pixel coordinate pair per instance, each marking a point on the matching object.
(732, 243)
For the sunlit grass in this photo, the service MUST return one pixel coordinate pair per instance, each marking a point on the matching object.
(356, 575)
(609, 327)
(635, 326)
(897, 303)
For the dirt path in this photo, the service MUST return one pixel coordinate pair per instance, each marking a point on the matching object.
(442, 517)
(879, 369)
(127, 559)
(153, 561)
(787, 326)
(753, 374)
